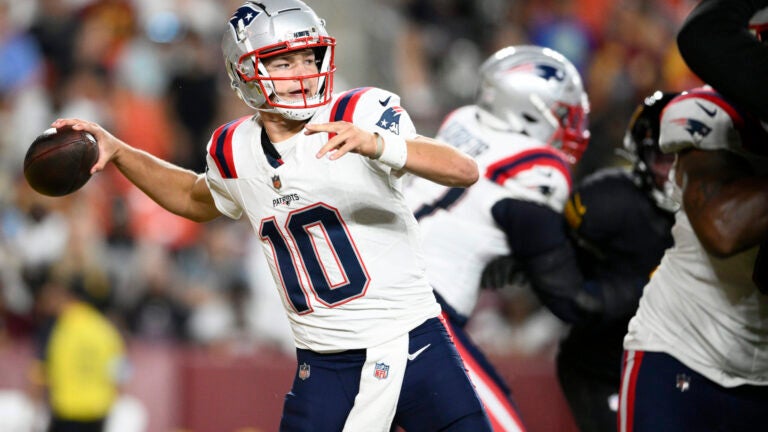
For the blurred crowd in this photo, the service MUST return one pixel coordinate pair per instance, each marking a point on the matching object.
(151, 72)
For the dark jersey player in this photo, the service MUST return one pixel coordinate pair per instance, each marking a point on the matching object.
(590, 271)
(621, 221)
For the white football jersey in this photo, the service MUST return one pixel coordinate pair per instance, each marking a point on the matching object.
(703, 310)
(460, 235)
(342, 244)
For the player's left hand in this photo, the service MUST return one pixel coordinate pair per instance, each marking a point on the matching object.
(348, 138)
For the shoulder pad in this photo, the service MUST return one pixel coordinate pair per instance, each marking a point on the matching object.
(702, 119)
(220, 148)
(373, 109)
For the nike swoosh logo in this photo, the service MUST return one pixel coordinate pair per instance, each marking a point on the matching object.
(709, 113)
(416, 354)
(385, 102)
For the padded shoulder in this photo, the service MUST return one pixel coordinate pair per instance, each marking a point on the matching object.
(603, 202)
(702, 119)
(373, 109)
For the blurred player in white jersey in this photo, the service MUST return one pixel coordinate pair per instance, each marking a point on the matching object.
(526, 129)
(696, 352)
(318, 175)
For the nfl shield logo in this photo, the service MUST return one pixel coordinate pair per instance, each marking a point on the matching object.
(303, 371)
(381, 371)
(276, 181)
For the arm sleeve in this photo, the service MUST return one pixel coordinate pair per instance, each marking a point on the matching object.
(221, 196)
(716, 44)
(540, 243)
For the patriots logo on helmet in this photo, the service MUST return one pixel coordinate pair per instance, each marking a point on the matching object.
(242, 18)
(544, 71)
(390, 120)
(695, 128)
(550, 72)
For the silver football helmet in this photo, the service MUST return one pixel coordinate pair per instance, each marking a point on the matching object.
(538, 92)
(258, 30)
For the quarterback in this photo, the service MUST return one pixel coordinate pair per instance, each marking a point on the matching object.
(318, 175)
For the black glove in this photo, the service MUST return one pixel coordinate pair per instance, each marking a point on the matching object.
(502, 271)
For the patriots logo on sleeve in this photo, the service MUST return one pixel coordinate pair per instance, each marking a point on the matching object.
(390, 120)
(544, 71)
(241, 19)
(696, 129)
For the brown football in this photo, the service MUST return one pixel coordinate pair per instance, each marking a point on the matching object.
(59, 161)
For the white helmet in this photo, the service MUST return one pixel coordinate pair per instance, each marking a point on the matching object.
(538, 92)
(258, 30)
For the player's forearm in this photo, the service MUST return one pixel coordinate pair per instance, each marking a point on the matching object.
(440, 163)
(177, 190)
(557, 281)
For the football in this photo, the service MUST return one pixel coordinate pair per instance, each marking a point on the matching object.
(59, 161)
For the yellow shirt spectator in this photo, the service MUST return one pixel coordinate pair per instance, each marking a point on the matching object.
(83, 362)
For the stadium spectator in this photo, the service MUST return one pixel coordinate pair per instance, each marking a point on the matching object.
(81, 358)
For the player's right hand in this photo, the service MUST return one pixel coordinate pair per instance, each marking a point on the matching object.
(108, 144)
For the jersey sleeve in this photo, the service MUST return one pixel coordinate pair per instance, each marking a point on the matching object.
(380, 111)
(702, 119)
(374, 110)
(538, 174)
(219, 186)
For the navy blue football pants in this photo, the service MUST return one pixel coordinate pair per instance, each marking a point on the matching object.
(660, 394)
(436, 393)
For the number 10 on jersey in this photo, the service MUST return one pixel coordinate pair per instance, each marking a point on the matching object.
(323, 251)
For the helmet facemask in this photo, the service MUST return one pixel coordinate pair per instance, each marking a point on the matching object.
(309, 96)
(650, 165)
(571, 135)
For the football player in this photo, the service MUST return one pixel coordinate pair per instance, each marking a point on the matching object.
(526, 129)
(695, 352)
(318, 175)
(619, 223)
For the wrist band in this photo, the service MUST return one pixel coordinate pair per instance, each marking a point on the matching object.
(395, 152)
(379, 146)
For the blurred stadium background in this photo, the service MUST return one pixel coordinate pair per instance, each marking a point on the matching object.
(209, 346)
